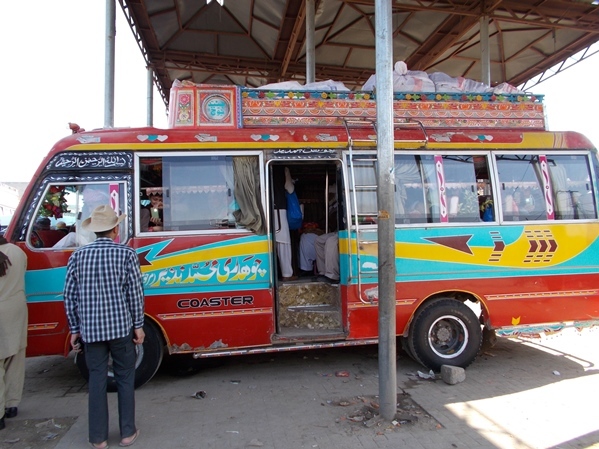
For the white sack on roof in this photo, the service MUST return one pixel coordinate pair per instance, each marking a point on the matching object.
(328, 85)
(284, 85)
(401, 68)
(370, 83)
(325, 85)
(405, 80)
(505, 88)
(476, 86)
(413, 81)
(446, 83)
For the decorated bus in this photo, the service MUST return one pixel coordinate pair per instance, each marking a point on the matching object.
(496, 229)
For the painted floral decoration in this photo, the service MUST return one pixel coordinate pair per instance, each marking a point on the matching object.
(55, 203)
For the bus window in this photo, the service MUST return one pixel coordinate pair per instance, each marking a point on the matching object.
(64, 207)
(466, 179)
(365, 177)
(521, 191)
(466, 188)
(198, 192)
(416, 194)
(571, 186)
(486, 201)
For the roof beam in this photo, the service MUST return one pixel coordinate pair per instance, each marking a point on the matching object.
(291, 33)
(446, 34)
(235, 66)
(582, 16)
(554, 59)
(456, 32)
(561, 66)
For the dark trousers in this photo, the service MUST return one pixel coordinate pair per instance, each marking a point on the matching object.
(123, 355)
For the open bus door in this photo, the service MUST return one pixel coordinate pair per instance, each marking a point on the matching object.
(307, 308)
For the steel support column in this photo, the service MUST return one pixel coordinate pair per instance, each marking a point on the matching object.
(310, 49)
(386, 209)
(150, 97)
(485, 57)
(109, 58)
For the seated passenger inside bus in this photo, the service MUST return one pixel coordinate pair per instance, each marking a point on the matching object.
(151, 215)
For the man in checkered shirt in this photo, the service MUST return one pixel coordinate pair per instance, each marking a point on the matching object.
(104, 302)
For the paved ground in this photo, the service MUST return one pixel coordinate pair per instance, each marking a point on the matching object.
(540, 393)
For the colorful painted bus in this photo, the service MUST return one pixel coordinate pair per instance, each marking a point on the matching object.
(496, 223)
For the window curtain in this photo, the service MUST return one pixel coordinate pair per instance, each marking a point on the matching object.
(563, 197)
(429, 178)
(247, 194)
(406, 172)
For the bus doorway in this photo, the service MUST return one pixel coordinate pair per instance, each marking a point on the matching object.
(308, 299)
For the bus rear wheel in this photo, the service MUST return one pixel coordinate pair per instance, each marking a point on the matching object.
(445, 332)
(147, 362)
(405, 346)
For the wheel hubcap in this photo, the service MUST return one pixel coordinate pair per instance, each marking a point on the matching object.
(448, 336)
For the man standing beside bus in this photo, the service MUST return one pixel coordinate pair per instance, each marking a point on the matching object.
(104, 302)
(13, 328)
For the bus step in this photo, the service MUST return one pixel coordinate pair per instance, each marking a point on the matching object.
(294, 335)
(308, 294)
(312, 305)
(316, 308)
(310, 318)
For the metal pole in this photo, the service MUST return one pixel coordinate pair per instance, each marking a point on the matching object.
(326, 201)
(109, 58)
(310, 50)
(485, 57)
(150, 99)
(386, 209)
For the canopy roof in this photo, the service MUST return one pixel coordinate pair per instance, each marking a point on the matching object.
(255, 42)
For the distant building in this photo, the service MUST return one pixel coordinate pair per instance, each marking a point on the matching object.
(9, 199)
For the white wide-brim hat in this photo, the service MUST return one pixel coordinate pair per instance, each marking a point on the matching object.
(103, 218)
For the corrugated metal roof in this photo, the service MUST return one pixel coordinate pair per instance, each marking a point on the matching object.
(255, 42)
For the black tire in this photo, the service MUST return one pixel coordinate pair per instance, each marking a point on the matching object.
(489, 340)
(405, 346)
(149, 358)
(445, 332)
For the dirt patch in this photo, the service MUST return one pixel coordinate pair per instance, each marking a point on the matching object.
(34, 433)
(362, 412)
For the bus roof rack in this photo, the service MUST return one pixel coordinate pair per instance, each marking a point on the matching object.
(230, 107)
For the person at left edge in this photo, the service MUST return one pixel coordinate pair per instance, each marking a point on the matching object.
(13, 328)
(103, 298)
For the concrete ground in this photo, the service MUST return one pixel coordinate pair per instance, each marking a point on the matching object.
(537, 393)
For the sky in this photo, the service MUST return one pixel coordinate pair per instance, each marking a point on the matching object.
(54, 74)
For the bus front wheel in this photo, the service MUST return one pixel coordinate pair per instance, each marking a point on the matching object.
(147, 362)
(445, 332)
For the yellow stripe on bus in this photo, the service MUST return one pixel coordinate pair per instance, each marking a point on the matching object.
(206, 254)
(546, 245)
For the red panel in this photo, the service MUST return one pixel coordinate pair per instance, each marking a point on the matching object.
(199, 321)
(510, 301)
(48, 329)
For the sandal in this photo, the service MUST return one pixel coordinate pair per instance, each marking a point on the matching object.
(130, 443)
(95, 445)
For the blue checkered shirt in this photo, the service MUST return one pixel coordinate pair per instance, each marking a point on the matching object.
(103, 293)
